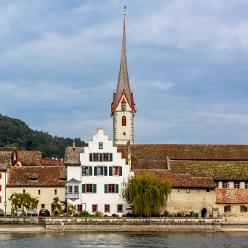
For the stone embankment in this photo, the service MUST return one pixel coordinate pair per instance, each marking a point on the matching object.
(121, 225)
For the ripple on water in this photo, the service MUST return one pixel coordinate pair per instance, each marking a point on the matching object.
(116, 240)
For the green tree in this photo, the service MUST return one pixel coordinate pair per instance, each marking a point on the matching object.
(57, 206)
(25, 201)
(71, 210)
(146, 194)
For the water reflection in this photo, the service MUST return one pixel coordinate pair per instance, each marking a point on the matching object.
(109, 240)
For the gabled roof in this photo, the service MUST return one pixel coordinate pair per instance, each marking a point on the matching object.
(37, 176)
(72, 155)
(73, 180)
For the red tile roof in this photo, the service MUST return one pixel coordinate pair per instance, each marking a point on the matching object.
(179, 180)
(37, 176)
(152, 155)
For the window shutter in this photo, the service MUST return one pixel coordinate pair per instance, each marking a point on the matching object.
(94, 188)
(101, 157)
(120, 171)
(110, 157)
(90, 156)
(105, 170)
(90, 171)
(83, 188)
(105, 188)
(110, 171)
(95, 171)
(117, 188)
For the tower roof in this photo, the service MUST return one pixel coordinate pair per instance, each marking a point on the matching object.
(123, 85)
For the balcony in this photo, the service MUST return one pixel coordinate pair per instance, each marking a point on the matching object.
(72, 195)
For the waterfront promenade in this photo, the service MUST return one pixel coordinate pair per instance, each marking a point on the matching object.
(73, 224)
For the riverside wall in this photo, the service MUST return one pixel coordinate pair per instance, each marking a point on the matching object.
(121, 225)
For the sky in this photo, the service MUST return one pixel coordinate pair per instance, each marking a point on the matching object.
(187, 62)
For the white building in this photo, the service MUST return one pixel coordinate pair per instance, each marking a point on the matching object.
(95, 176)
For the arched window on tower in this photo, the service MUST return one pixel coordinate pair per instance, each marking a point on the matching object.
(124, 121)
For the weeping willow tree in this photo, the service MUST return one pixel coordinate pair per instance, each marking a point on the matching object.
(146, 194)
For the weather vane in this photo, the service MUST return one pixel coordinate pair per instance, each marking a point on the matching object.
(125, 10)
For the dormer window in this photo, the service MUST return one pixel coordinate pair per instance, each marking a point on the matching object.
(123, 105)
(100, 145)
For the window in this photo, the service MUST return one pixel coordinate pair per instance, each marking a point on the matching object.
(100, 171)
(86, 171)
(115, 170)
(38, 191)
(106, 208)
(107, 157)
(188, 191)
(55, 192)
(236, 185)
(69, 189)
(76, 189)
(123, 121)
(246, 185)
(225, 185)
(0, 175)
(24, 191)
(243, 208)
(119, 208)
(208, 190)
(89, 188)
(94, 208)
(79, 208)
(227, 208)
(95, 157)
(100, 145)
(43, 205)
(0, 187)
(111, 188)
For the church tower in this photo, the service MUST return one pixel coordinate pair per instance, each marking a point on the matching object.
(123, 106)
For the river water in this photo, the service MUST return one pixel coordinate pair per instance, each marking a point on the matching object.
(92, 240)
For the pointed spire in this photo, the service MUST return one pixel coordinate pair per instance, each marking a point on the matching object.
(123, 79)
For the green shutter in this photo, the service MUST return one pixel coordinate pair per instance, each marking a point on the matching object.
(105, 170)
(83, 188)
(101, 157)
(120, 171)
(90, 170)
(95, 171)
(110, 171)
(111, 157)
(117, 188)
(94, 188)
(105, 188)
(90, 156)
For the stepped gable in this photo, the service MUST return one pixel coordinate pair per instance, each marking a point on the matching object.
(219, 170)
(179, 180)
(231, 196)
(37, 176)
(72, 155)
(155, 155)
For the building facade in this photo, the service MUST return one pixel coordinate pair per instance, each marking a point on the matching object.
(123, 107)
(95, 182)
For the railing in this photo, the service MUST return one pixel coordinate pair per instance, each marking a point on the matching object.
(72, 195)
